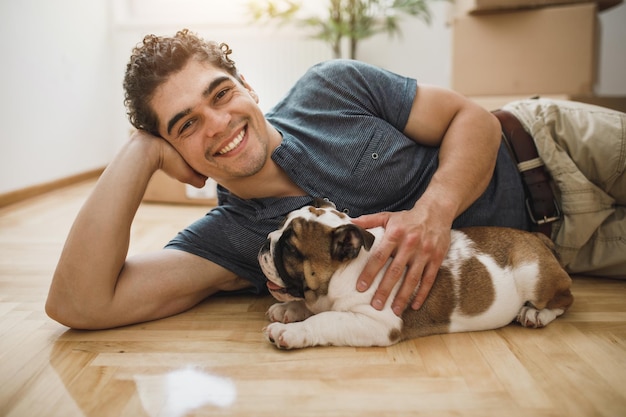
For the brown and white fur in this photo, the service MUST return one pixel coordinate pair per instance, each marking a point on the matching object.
(490, 277)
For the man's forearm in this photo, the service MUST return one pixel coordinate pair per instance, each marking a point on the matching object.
(97, 245)
(467, 160)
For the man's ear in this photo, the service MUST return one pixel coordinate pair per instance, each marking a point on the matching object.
(348, 240)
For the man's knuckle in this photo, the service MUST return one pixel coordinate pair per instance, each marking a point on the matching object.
(413, 279)
(395, 235)
(395, 271)
(379, 256)
(383, 292)
(412, 239)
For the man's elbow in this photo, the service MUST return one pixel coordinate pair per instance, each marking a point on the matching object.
(68, 314)
(61, 315)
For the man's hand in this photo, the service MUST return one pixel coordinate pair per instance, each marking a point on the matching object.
(170, 161)
(417, 243)
(468, 138)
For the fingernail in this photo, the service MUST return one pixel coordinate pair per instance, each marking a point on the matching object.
(377, 304)
(361, 286)
(397, 310)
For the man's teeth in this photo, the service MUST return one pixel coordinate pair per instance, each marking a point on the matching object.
(232, 145)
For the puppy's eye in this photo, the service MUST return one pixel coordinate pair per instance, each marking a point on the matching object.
(292, 250)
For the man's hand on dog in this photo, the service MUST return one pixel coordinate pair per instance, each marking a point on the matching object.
(415, 241)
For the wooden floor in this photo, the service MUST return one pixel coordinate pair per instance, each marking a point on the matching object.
(213, 360)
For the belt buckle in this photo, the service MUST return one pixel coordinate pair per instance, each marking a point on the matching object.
(545, 219)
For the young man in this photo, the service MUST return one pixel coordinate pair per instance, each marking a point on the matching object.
(418, 160)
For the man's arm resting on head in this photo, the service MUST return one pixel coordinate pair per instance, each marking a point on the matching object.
(469, 138)
(94, 285)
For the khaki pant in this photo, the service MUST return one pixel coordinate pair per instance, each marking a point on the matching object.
(584, 149)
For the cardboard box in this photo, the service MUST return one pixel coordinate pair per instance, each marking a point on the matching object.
(490, 6)
(543, 51)
(163, 189)
(612, 102)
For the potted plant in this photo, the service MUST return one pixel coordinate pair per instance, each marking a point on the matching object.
(342, 19)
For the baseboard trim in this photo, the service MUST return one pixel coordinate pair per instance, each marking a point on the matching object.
(22, 194)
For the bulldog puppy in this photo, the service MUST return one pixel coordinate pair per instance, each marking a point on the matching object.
(490, 277)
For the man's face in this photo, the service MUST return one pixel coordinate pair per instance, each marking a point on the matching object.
(213, 121)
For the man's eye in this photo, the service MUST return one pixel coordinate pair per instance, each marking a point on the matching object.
(222, 93)
(187, 125)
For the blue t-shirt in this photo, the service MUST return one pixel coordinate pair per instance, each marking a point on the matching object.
(342, 126)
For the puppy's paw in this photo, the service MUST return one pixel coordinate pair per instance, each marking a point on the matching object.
(529, 316)
(285, 336)
(288, 312)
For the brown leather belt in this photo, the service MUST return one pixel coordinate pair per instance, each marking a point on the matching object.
(540, 201)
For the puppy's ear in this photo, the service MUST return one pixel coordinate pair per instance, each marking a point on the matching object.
(321, 203)
(348, 240)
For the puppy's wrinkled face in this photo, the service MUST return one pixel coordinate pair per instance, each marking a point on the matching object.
(300, 258)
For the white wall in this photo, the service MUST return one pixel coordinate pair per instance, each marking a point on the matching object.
(612, 52)
(56, 100)
(61, 107)
(422, 51)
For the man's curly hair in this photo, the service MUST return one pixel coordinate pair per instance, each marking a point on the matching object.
(155, 59)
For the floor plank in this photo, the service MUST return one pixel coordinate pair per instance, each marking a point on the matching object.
(212, 360)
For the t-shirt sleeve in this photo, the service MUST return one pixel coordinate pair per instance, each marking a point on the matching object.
(220, 238)
(231, 234)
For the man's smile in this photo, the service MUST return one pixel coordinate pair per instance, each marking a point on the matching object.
(233, 144)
